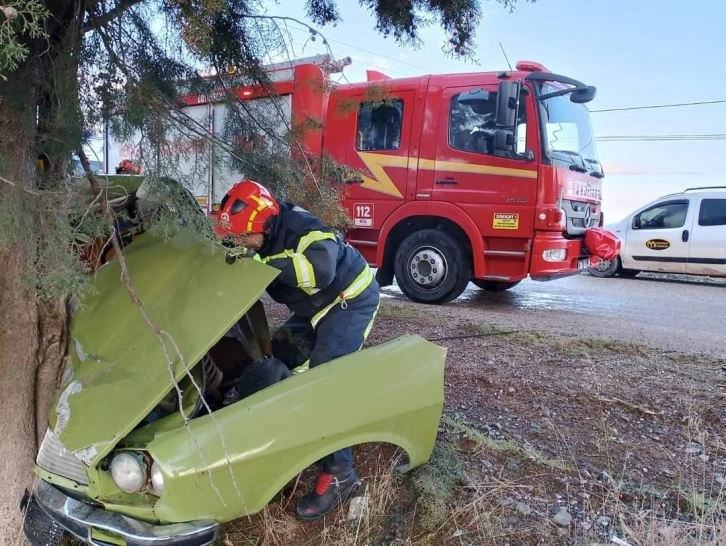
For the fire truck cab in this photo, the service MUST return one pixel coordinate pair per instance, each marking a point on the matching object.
(481, 177)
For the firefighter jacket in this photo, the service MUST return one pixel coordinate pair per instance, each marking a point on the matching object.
(317, 269)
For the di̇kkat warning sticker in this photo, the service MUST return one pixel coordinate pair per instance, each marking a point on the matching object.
(506, 220)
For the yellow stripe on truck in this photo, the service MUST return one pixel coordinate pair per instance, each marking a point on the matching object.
(473, 168)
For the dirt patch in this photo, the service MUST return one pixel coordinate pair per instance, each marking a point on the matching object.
(546, 439)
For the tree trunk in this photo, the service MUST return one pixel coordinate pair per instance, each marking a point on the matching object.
(18, 365)
(31, 333)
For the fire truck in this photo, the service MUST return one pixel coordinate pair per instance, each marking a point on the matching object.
(487, 178)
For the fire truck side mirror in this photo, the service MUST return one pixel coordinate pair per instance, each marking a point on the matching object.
(503, 140)
(507, 96)
(583, 95)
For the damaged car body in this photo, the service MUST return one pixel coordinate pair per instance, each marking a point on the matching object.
(149, 442)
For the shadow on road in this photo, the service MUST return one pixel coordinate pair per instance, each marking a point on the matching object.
(691, 281)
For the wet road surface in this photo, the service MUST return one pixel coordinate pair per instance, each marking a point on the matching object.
(678, 315)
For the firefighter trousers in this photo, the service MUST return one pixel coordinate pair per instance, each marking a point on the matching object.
(342, 331)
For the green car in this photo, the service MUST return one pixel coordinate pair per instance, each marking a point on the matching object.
(129, 459)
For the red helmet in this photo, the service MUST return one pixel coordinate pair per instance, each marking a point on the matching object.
(245, 209)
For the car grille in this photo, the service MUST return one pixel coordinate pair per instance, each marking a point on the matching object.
(56, 459)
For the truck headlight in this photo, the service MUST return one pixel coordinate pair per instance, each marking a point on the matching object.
(128, 471)
(555, 255)
(157, 478)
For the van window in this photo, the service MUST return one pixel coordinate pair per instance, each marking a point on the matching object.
(712, 213)
(472, 131)
(669, 215)
(380, 126)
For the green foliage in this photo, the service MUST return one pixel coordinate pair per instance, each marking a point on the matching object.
(165, 205)
(18, 19)
(377, 94)
(42, 238)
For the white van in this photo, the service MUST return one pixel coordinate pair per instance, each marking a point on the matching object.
(682, 233)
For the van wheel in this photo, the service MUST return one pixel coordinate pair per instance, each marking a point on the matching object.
(494, 286)
(605, 268)
(432, 266)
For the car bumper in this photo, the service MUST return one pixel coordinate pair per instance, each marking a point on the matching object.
(81, 520)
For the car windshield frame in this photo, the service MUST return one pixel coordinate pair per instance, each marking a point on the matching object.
(573, 128)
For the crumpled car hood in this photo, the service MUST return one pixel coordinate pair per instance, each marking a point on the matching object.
(117, 370)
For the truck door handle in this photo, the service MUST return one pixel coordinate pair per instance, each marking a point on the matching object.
(448, 180)
(685, 236)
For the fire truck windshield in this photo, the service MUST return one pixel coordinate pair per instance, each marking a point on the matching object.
(569, 133)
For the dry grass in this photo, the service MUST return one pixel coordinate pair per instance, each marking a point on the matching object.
(490, 486)
(646, 529)
(499, 508)
(415, 312)
(381, 489)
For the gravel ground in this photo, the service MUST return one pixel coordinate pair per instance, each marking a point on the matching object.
(575, 415)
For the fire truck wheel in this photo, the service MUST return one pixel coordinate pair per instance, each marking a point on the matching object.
(432, 266)
(494, 286)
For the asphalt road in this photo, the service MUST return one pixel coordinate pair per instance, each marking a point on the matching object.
(673, 314)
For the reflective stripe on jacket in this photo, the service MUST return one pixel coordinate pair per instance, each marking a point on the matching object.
(317, 269)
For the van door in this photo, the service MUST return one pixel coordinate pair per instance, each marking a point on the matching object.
(658, 237)
(707, 238)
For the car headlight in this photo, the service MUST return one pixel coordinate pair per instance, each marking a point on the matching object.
(157, 478)
(128, 471)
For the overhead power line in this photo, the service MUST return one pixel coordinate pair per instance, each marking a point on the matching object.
(661, 138)
(596, 111)
(654, 106)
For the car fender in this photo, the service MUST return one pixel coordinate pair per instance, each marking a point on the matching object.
(392, 392)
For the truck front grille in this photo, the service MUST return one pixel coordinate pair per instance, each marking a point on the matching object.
(579, 217)
(53, 457)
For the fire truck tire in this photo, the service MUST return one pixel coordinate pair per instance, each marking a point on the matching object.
(494, 286)
(432, 266)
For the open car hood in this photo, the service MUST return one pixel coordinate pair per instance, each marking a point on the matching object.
(117, 370)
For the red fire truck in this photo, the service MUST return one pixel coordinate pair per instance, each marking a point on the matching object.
(487, 178)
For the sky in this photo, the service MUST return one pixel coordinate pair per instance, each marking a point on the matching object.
(643, 52)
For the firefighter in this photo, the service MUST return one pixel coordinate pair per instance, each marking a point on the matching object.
(328, 287)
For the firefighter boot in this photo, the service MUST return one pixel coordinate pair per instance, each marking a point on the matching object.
(332, 489)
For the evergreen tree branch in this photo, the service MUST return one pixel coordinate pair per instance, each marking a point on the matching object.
(29, 191)
(99, 21)
(285, 18)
